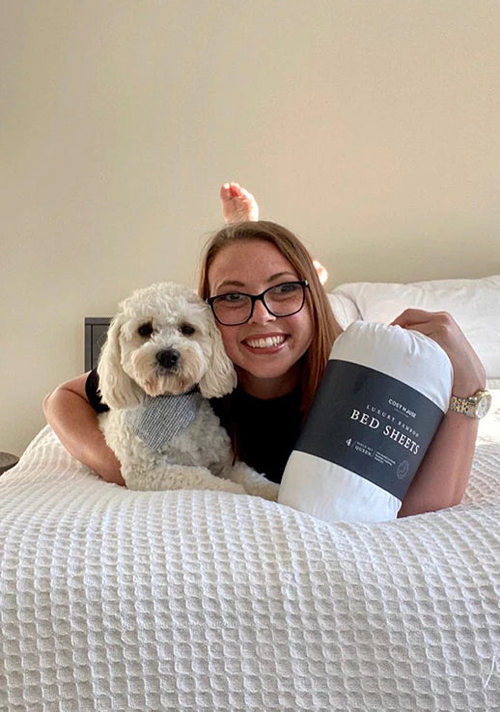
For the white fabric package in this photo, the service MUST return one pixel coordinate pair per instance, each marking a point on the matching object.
(378, 406)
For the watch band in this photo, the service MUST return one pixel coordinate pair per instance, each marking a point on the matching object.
(475, 406)
(460, 405)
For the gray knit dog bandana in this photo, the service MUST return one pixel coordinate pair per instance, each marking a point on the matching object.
(160, 419)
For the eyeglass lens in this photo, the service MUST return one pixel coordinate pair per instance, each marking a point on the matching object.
(281, 300)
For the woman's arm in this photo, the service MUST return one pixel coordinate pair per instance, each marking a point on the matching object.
(74, 421)
(443, 475)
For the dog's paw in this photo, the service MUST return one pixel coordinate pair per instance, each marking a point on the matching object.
(233, 487)
(268, 490)
(264, 488)
(254, 484)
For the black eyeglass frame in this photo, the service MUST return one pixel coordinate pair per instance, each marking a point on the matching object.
(259, 298)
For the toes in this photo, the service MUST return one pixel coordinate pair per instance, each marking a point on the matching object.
(238, 204)
(236, 190)
(232, 190)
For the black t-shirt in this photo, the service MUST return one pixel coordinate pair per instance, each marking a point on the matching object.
(266, 430)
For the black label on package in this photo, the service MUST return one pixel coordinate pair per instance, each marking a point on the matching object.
(371, 424)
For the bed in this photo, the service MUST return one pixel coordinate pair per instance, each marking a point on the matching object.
(196, 600)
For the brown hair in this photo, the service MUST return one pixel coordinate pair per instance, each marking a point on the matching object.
(325, 326)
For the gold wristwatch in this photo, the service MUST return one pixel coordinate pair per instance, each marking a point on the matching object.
(476, 406)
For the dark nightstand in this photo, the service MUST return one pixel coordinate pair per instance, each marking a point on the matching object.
(7, 461)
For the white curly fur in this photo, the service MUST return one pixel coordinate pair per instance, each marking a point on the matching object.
(200, 456)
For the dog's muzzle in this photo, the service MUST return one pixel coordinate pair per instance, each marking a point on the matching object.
(168, 359)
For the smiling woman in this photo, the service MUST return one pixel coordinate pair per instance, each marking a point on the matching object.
(265, 348)
(279, 342)
(282, 335)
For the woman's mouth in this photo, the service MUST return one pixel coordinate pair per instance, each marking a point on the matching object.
(265, 342)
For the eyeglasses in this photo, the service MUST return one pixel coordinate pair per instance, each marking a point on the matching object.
(236, 308)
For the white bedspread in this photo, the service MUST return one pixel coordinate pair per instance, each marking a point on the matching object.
(193, 601)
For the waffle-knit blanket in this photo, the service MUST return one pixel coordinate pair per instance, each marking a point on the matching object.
(204, 601)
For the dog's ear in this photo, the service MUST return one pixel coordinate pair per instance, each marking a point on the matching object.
(116, 388)
(220, 377)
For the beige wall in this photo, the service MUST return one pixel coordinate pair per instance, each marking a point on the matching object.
(370, 128)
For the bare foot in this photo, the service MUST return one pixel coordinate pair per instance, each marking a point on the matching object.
(237, 204)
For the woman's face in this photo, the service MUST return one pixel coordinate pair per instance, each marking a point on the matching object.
(266, 349)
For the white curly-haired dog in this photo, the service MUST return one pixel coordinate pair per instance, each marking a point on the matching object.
(162, 359)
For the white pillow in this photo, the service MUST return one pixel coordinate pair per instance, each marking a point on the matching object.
(344, 308)
(474, 304)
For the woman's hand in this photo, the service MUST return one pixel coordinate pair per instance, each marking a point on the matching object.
(442, 477)
(469, 375)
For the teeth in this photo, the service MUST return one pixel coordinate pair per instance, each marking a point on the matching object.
(265, 343)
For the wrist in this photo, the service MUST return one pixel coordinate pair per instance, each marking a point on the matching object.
(469, 384)
(467, 390)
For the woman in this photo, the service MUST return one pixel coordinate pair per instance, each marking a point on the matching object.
(279, 359)
(279, 353)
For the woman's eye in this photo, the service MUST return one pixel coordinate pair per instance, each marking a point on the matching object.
(288, 288)
(232, 298)
(187, 330)
(145, 329)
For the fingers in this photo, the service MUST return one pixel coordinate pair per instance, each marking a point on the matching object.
(439, 326)
(412, 317)
(469, 373)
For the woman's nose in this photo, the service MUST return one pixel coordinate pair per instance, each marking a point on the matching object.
(260, 314)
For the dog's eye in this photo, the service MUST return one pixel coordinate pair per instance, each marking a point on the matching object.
(145, 329)
(187, 329)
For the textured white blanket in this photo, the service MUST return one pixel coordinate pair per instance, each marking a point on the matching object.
(193, 600)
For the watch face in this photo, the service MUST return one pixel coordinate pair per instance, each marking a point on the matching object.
(483, 405)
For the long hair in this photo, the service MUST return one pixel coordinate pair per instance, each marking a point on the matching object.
(324, 325)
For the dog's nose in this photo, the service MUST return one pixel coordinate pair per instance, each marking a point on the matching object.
(168, 358)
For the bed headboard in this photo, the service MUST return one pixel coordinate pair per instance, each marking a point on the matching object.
(95, 335)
